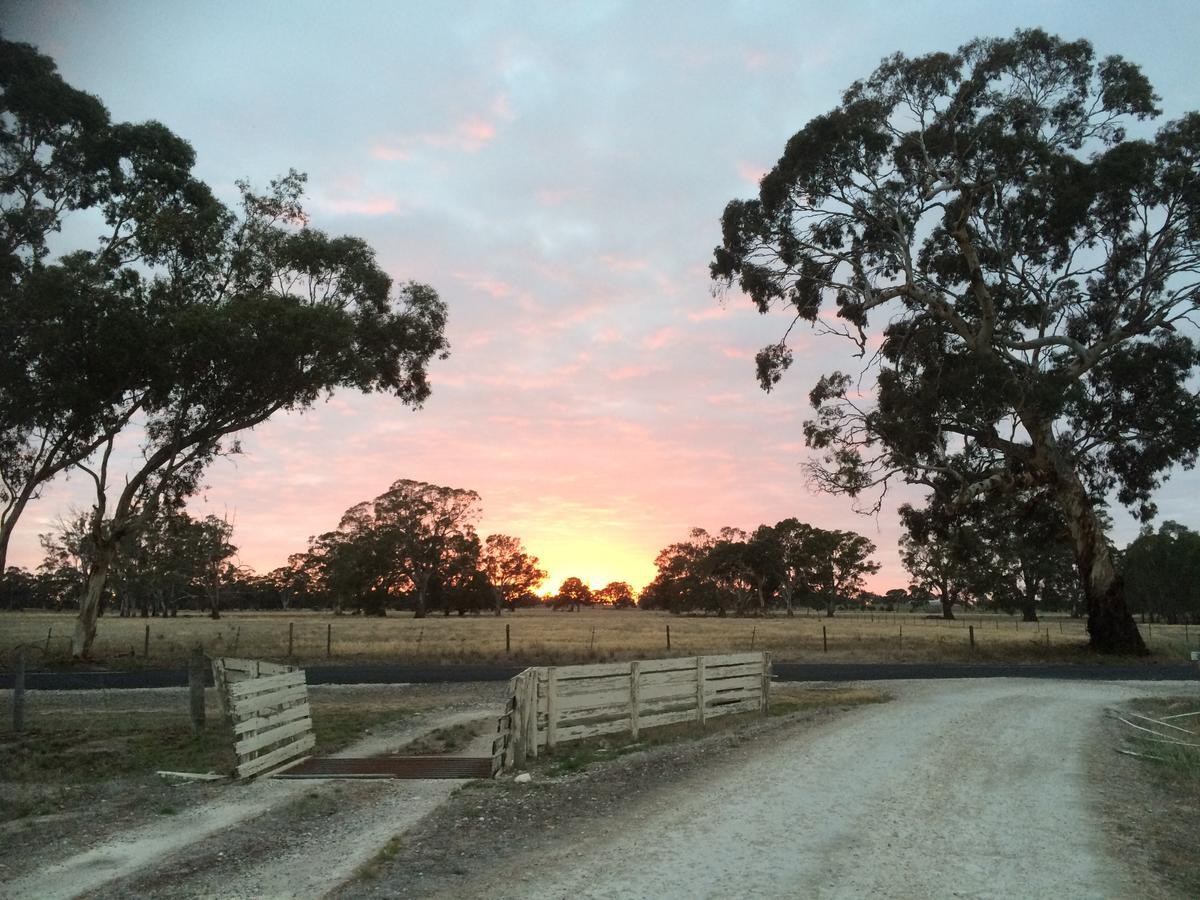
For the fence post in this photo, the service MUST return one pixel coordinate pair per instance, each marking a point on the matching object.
(766, 684)
(18, 703)
(971, 632)
(507, 638)
(701, 717)
(635, 702)
(291, 630)
(592, 644)
(518, 732)
(49, 631)
(753, 635)
(901, 637)
(551, 708)
(196, 688)
(824, 640)
(531, 712)
(146, 643)
(668, 637)
(328, 640)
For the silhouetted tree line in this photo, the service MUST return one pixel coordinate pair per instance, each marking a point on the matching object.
(784, 565)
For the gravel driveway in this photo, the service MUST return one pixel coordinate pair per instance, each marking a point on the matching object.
(956, 789)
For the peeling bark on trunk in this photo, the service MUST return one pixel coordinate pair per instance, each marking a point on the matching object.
(1110, 624)
(89, 606)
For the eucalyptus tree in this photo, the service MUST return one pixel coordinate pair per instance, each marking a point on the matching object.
(73, 366)
(572, 594)
(422, 529)
(189, 323)
(839, 563)
(944, 556)
(512, 571)
(1028, 267)
(616, 594)
(1162, 571)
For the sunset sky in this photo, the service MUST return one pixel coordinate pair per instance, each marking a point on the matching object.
(557, 172)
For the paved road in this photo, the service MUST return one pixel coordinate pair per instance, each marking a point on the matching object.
(975, 789)
(398, 674)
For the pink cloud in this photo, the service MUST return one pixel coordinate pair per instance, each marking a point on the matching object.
(661, 338)
(624, 264)
(750, 173)
(369, 206)
(757, 60)
(493, 287)
(710, 314)
(624, 373)
(389, 152)
(469, 135)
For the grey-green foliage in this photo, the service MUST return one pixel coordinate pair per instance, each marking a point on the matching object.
(193, 320)
(1162, 573)
(1019, 266)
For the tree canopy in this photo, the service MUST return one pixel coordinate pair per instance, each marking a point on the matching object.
(245, 312)
(415, 539)
(1028, 267)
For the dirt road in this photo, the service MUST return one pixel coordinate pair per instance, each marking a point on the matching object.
(956, 789)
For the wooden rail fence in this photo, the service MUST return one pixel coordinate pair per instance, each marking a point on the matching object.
(267, 705)
(556, 704)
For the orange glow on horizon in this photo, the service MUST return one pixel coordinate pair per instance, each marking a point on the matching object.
(595, 562)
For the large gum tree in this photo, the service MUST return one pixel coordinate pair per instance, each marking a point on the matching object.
(182, 325)
(1020, 269)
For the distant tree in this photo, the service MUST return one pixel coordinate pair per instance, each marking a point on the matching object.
(734, 571)
(347, 566)
(841, 561)
(797, 549)
(510, 569)
(461, 586)
(894, 598)
(682, 582)
(572, 594)
(422, 526)
(1032, 264)
(19, 589)
(1162, 573)
(617, 594)
(415, 538)
(1030, 548)
(293, 584)
(945, 556)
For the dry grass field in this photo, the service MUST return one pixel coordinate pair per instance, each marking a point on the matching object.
(544, 637)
